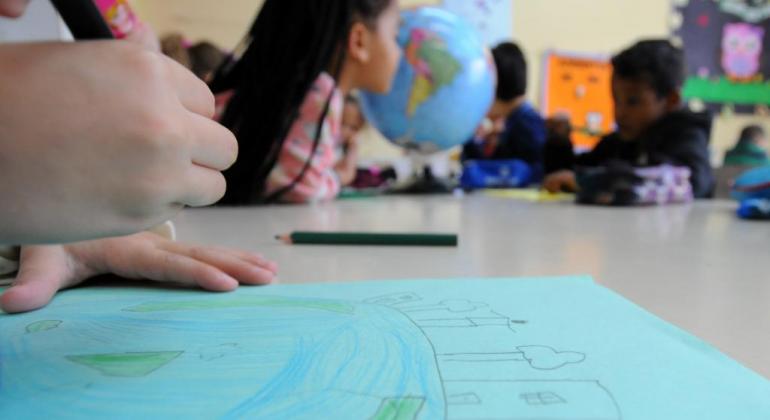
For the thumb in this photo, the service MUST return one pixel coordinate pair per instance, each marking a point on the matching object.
(43, 270)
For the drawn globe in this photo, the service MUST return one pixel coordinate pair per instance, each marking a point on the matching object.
(444, 85)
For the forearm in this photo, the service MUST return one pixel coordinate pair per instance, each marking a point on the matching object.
(346, 169)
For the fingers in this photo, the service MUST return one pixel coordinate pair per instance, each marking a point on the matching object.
(13, 8)
(246, 272)
(550, 184)
(214, 146)
(559, 181)
(147, 256)
(259, 260)
(43, 272)
(204, 187)
(164, 266)
(214, 149)
(212, 268)
(192, 92)
(249, 257)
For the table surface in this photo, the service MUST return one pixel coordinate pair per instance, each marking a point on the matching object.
(696, 266)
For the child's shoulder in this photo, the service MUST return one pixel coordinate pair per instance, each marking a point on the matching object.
(323, 89)
(323, 84)
(527, 112)
(528, 119)
(683, 124)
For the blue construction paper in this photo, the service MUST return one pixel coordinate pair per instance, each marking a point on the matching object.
(473, 349)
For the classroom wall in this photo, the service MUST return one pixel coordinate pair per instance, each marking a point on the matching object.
(200, 19)
(595, 26)
(604, 26)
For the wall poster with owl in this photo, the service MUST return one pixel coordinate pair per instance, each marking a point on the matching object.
(727, 46)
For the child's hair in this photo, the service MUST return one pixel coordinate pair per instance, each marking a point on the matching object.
(289, 45)
(752, 134)
(511, 71)
(173, 46)
(205, 58)
(657, 63)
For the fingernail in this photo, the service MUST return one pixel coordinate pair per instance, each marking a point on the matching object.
(228, 282)
(272, 267)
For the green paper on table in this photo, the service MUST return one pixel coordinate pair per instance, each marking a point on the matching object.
(488, 349)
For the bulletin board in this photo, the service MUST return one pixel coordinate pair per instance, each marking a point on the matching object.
(579, 86)
(727, 48)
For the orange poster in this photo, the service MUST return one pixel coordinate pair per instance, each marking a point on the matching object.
(579, 86)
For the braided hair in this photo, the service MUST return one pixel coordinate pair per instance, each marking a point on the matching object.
(289, 45)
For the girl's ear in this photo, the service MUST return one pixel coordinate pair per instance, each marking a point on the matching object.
(359, 43)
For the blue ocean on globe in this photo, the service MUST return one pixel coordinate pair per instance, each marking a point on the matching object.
(444, 86)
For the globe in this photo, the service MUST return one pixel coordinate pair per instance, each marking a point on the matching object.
(444, 86)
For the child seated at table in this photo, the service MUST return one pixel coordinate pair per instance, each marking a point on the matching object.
(517, 131)
(653, 128)
(299, 61)
(750, 149)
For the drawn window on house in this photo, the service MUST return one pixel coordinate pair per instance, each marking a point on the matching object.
(542, 398)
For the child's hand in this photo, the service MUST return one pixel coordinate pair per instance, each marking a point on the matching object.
(107, 129)
(559, 127)
(560, 181)
(44, 270)
(13, 8)
(144, 36)
(347, 167)
(487, 135)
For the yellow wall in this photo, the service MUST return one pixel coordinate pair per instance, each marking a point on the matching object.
(223, 22)
(593, 26)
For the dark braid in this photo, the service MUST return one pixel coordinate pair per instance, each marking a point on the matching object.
(289, 45)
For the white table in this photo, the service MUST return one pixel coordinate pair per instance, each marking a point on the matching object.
(695, 266)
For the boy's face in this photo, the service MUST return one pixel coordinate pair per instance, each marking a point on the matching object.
(638, 106)
(12, 8)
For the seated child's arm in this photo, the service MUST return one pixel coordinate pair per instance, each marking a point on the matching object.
(561, 181)
(44, 270)
(347, 166)
(565, 180)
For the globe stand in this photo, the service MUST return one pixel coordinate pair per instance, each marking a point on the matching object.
(423, 181)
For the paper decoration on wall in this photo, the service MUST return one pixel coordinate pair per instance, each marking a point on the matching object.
(750, 11)
(741, 51)
(725, 45)
(492, 18)
(579, 86)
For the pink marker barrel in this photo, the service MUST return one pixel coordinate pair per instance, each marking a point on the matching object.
(118, 15)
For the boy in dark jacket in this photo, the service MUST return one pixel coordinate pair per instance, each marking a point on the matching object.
(653, 129)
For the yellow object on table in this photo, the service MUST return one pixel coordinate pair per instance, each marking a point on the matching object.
(529, 194)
